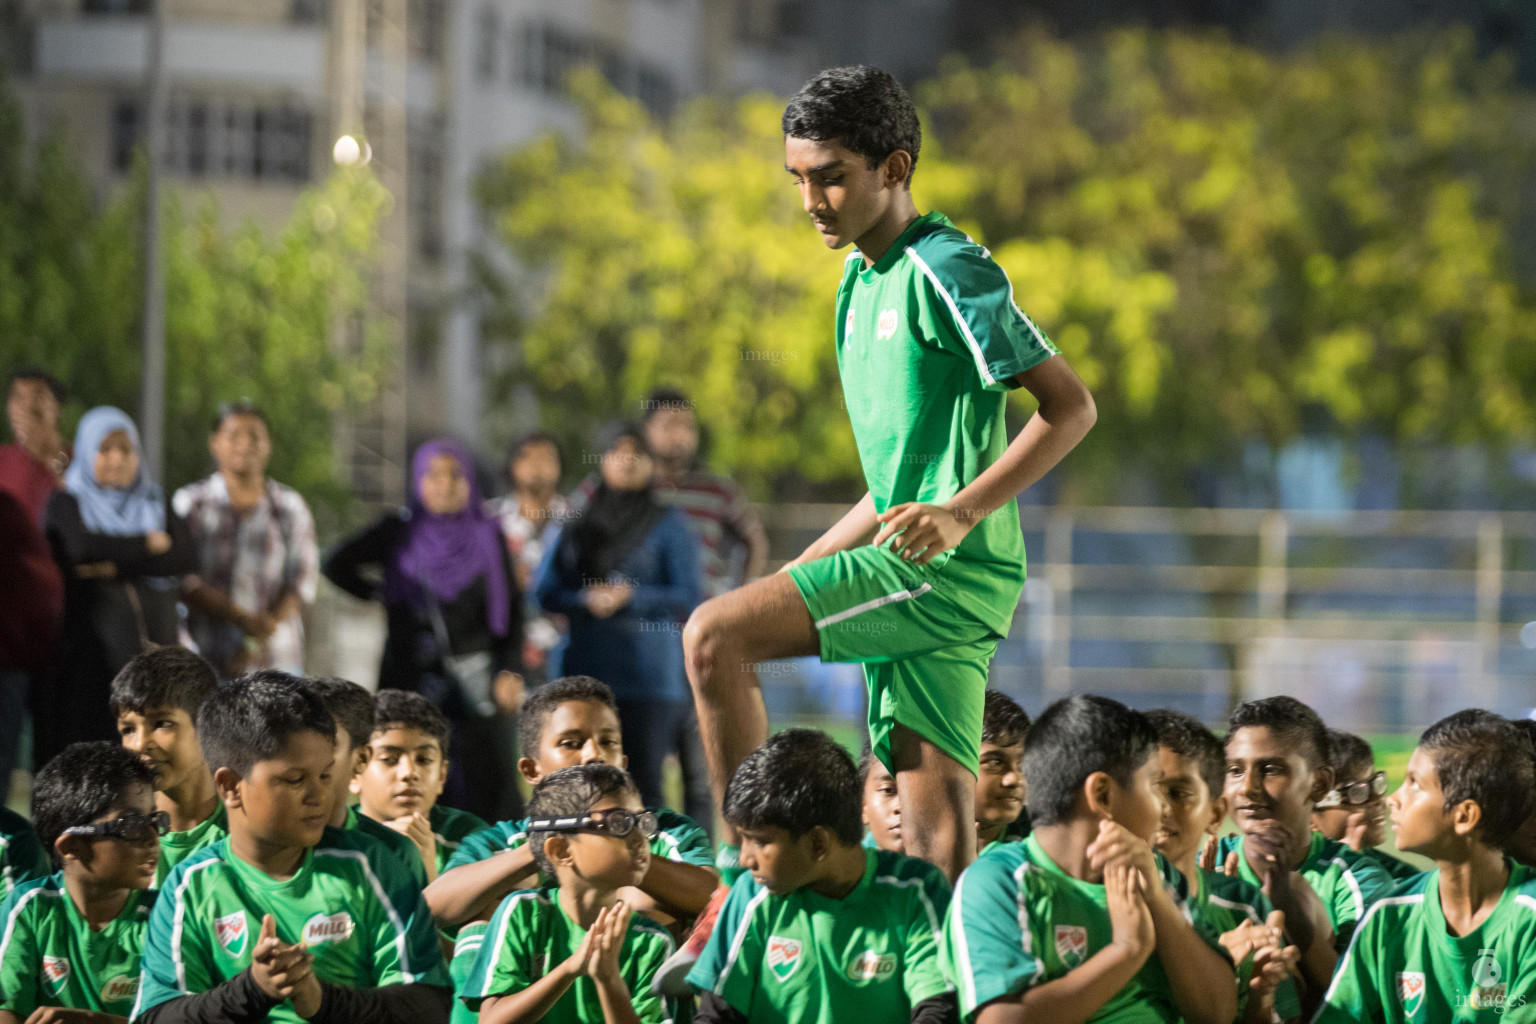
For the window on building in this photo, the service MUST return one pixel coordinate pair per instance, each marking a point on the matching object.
(223, 138)
(425, 23)
(486, 44)
(114, 6)
(125, 135)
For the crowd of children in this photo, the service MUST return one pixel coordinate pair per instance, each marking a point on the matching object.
(212, 867)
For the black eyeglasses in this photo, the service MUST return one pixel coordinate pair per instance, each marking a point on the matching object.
(133, 828)
(616, 821)
(1356, 793)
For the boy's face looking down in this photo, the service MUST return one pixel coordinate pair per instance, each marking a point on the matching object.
(1190, 811)
(843, 195)
(114, 863)
(285, 802)
(404, 774)
(1271, 787)
(166, 740)
(782, 864)
(603, 860)
(882, 808)
(999, 786)
(576, 732)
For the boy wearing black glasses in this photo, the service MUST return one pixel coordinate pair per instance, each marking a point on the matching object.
(1354, 811)
(576, 954)
(73, 939)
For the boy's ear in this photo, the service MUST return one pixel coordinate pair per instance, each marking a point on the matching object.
(73, 848)
(1218, 815)
(1322, 782)
(557, 848)
(360, 758)
(897, 168)
(227, 782)
(1466, 817)
(355, 786)
(821, 842)
(529, 769)
(1098, 790)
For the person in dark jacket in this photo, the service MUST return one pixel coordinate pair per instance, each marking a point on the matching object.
(122, 552)
(455, 619)
(626, 573)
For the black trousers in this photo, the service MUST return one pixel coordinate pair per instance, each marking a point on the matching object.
(652, 730)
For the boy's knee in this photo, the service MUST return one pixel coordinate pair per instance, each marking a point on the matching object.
(703, 637)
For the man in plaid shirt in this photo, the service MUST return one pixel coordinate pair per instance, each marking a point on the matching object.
(256, 542)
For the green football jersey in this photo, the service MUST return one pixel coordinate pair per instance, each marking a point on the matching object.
(50, 956)
(360, 913)
(1221, 904)
(1399, 869)
(803, 958)
(1019, 920)
(396, 843)
(22, 856)
(678, 838)
(1405, 967)
(1347, 882)
(466, 950)
(530, 933)
(927, 340)
(176, 847)
(450, 826)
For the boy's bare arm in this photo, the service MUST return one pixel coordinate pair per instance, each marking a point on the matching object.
(1071, 998)
(848, 532)
(471, 891)
(682, 890)
(1202, 982)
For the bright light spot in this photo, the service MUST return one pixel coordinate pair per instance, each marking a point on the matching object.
(1528, 636)
(350, 151)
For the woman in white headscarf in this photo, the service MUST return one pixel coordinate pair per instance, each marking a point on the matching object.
(122, 551)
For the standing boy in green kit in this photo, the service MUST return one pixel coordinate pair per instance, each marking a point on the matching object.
(154, 701)
(1457, 944)
(929, 341)
(286, 919)
(73, 939)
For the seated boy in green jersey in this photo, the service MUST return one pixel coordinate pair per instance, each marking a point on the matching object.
(576, 953)
(1083, 920)
(881, 805)
(1454, 944)
(351, 707)
(1354, 811)
(286, 919)
(73, 939)
(404, 775)
(22, 856)
(1277, 770)
(819, 930)
(1000, 781)
(1193, 766)
(155, 700)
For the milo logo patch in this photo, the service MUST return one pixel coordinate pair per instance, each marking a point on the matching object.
(872, 966)
(334, 928)
(122, 989)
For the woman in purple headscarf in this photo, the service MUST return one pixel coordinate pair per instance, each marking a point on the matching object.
(455, 617)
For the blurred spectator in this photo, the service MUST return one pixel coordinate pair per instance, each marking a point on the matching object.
(122, 551)
(626, 573)
(455, 620)
(257, 561)
(32, 598)
(530, 517)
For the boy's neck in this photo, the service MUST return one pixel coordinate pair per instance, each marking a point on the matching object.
(280, 862)
(190, 803)
(339, 812)
(877, 241)
(1189, 867)
(990, 833)
(841, 872)
(581, 900)
(1471, 886)
(1067, 845)
(98, 904)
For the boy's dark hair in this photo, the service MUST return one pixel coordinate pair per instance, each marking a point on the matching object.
(402, 709)
(167, 677)
(861, 107)
(533, 437)
(241, 408)
(867, 763)
(349, 704)
(1072, 739)
(79, 785)
(40, 376)
(799, 779)
(663, 400)
(252, 718)
(1188, 737)
(1527, 727)
(543, 701)
(571, 791)
(1486, 758)
(1003, 722)
(1290, 720)
(1349, 755)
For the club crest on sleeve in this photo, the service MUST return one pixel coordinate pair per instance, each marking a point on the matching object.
(1071, 944)
(232, 932)
(1410, 992)
(55, 974)
(122, 989)
(886, 328)
(783, 956)
(321, 928)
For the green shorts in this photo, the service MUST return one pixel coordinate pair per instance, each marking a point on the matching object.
(925, 659)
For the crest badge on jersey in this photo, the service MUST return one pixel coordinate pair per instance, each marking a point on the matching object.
(1410, 992)
(55, 974)
(886, 328)
(321, 928)
(1071, 944)
(848, 326)
(122, 989)
(783, 956)
(232, 932)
